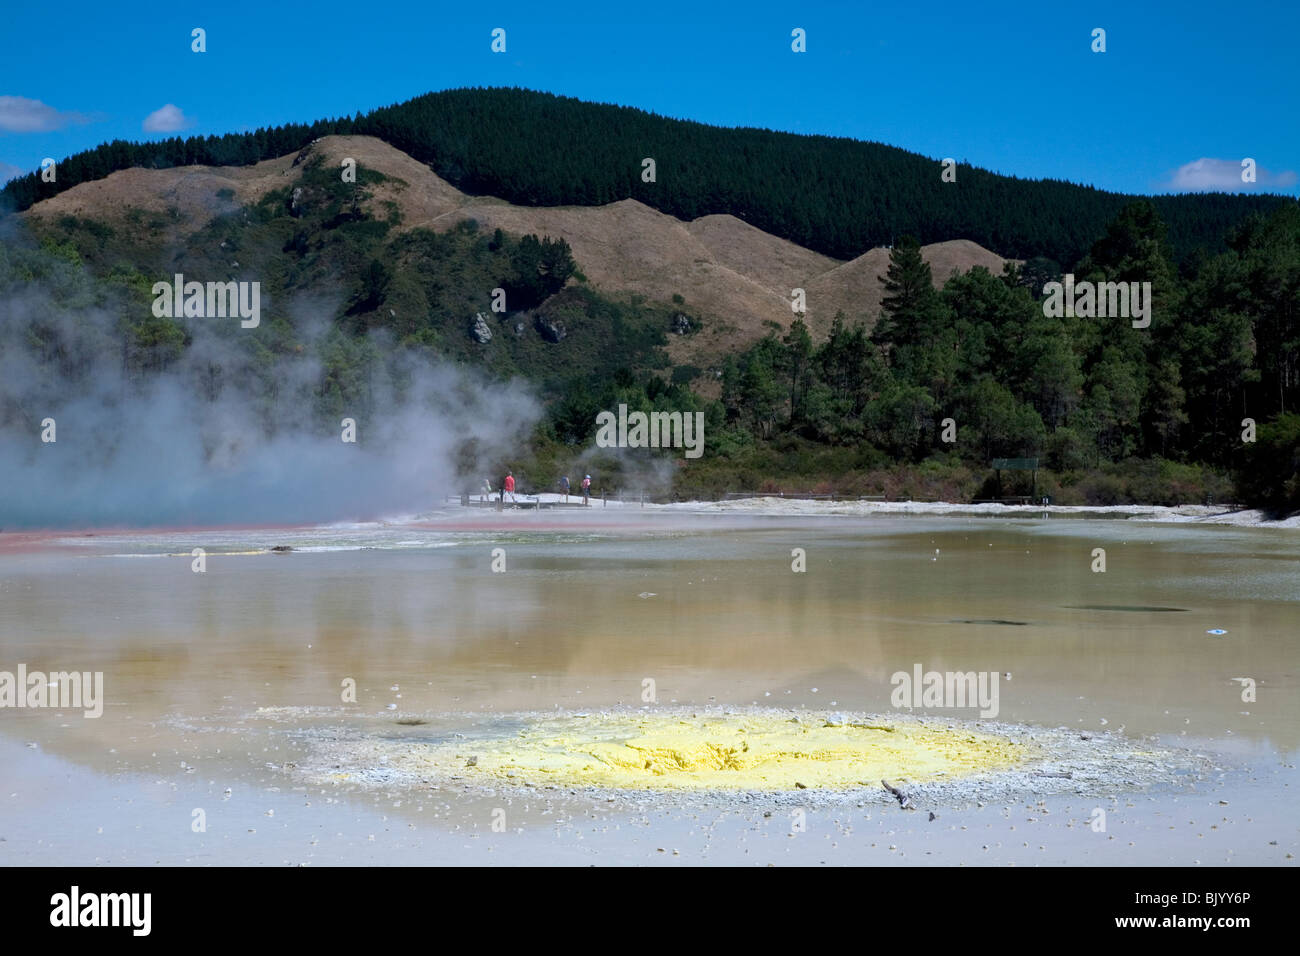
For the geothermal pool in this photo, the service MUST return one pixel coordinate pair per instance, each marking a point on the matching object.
(656, 686)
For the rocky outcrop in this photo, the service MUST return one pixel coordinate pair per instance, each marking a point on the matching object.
(480, 329)
(681, 324)
(551, 329)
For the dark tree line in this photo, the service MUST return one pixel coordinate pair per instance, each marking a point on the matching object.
(837, 196)
(1223, 346)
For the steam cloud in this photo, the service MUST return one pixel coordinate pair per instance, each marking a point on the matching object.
(193, 445)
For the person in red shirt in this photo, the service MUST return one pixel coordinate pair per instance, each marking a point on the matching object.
(586, 490)
(510, 485)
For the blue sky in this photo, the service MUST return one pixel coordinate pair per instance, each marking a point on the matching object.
(1183, 92)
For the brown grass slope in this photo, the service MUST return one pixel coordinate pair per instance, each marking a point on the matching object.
(732, 275)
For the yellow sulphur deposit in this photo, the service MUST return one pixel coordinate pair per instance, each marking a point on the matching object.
(731, 751)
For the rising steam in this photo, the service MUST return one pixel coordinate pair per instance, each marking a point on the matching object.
(196, 443)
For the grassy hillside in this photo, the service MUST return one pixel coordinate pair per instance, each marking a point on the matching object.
(339, 286)
(836, 196)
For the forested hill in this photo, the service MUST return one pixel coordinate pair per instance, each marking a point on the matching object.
(839, 197)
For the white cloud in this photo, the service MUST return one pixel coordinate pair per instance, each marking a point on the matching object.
(168, 119)
(18, 114)
(8, 172)
(1212, 175)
